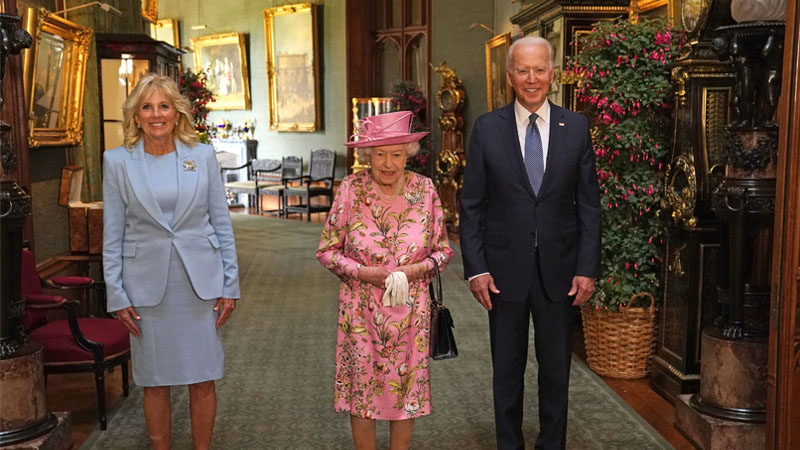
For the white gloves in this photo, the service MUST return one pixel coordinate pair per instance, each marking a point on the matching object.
(396, 293)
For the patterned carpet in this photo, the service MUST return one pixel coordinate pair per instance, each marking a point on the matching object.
(277, 392)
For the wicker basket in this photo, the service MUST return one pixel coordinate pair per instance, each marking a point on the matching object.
(619, 344)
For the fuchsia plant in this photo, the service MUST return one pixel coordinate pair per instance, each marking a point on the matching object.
(624, 83)
(194, 86)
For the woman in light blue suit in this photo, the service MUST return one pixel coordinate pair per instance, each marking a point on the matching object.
(169, 257)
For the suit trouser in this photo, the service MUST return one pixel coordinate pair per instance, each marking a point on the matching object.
(508, 328)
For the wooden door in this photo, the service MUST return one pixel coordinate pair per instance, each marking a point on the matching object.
(783, 380)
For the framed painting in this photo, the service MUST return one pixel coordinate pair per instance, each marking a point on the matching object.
(292, 67)
(224, 59)
(498, 92)
(150, 10)
(166, 30)
(54, 71)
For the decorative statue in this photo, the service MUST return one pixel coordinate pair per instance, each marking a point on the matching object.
(731, 48)
(13, 41)
(772, 55)
(756, 51)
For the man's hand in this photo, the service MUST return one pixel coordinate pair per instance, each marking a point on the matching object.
(480, 287)
(582, 289)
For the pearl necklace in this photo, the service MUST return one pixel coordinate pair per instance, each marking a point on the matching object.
(395, 194)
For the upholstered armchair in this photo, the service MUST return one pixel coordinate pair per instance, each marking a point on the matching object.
(76, 344)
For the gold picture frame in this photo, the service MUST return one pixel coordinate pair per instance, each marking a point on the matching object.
(498, 92)
(150, 10)
(224, 59)
(166, 30)
(292, 67)
(637, 6)
(54, 72)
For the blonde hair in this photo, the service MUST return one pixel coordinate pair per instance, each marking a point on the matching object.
(148, 85)
(362, 153)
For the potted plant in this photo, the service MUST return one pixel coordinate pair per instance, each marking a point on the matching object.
(194, 85)
(624, 83)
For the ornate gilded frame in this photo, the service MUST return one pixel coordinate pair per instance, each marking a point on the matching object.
(213, 52)
(168, 27)
(497, 78)
(64, 88)
(283, 94)
(680, 192)
(150, 10)
(638, 6)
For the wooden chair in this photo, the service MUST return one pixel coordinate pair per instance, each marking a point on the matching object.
(318, 182)
(291, 169)
(261, 174)
(76, 344)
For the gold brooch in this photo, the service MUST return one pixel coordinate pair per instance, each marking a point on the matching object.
(189, 165)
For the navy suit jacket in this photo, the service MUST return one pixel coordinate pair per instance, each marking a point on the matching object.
(502, 219)
(138, 240)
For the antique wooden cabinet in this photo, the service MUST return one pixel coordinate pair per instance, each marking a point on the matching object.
(122, 59)
(691, 269)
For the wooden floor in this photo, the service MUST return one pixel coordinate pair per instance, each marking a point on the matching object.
(76, 392)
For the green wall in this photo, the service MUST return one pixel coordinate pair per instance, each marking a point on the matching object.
(225, 16)
(463, 49)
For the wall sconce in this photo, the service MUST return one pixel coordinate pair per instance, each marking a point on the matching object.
(476, 24)
(104, 6)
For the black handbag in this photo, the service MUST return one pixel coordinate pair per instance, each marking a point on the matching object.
(443, 342)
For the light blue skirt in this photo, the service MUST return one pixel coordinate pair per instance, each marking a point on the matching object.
(179, 341)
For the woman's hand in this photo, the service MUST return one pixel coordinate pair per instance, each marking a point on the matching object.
(413, 271)
(375, 276)
(227, 305)
(127, 316)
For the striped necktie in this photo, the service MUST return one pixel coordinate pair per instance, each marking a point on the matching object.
(534, 155)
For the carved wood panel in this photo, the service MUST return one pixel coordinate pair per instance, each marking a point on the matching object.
(783, 377)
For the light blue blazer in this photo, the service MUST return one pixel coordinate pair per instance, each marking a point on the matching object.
(137, 239)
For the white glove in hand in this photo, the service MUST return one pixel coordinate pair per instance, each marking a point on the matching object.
(396, 290)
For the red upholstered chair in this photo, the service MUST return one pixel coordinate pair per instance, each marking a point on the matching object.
(75, 344)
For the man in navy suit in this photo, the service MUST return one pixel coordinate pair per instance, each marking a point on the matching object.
(530, 237)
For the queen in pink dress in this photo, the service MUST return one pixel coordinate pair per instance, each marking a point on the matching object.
(384, 220)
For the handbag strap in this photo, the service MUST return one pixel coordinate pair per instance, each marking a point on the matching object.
(436, 284)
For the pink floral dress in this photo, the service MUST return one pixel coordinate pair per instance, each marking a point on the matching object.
(382, 352)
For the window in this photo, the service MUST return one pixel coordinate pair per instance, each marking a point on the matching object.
(402, 30)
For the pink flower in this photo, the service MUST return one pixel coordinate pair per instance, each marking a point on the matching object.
(663, 38)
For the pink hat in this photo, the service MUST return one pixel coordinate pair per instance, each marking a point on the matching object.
(385, 129)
